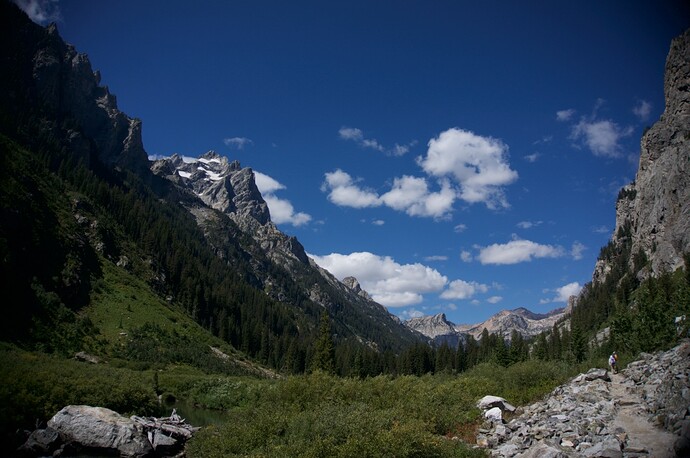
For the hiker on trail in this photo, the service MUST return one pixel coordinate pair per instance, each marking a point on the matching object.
(613, 362)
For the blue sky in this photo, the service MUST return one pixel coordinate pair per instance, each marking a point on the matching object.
(456, 157)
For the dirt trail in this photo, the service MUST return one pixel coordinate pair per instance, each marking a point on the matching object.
(642, 436)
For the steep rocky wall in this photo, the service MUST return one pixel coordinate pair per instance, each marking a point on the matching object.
(656, 207)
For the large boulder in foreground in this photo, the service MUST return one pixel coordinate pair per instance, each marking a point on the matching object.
(101, 428)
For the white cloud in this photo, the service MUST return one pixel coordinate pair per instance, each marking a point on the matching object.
(388, 282)
(408, 194)
(517, 251)
(411, 195)
(266, 184)
(528, 224)
(577, 250)
(460, 228)
(478, 164)
(238, 142)
(565, 115)
(411, 313)
(41, 11)
(466, 256)
(356, 135)
(601, 136)
(378, 222)
(436, 258)
(601, 230)
(532, 157)
(344, 192)
(351, 133)
(461, 289)
(564, 292)
(494, 299)
(642, 110)
(282, 211)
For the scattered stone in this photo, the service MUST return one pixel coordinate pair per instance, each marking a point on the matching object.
(580, 418)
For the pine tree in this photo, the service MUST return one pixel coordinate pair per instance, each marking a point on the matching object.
(324, 349)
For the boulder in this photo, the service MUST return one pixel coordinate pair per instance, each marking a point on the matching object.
(102, 429)
(494, 414)
(488, 402)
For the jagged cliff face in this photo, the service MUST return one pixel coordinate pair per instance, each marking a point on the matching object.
(48, 79)
(654, 211)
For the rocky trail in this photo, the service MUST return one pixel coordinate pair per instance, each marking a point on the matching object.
(641, 412)
(641, 436)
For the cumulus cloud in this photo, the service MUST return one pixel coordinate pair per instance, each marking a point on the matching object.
(494, 299)
(466, 256)
(356, 135)
(565, 115)
(378, 222)
(412, 195)
(343, 191)
(388, 282)
(408, 194)
(576, 250)
(563, 293)
(642, 110)
(461, 289)
(478, 164)
(40, 11)
(238, 142)
(602, 137)
(282, 211)
(517, 251)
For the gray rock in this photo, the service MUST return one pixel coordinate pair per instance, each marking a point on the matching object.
(543, 450)
(489, 401)
(41, 442)
(101, 428)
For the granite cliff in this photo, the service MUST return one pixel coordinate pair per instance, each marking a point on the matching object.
(653, 212)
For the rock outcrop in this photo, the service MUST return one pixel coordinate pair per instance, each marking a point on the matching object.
(601, 414)
(654, 211)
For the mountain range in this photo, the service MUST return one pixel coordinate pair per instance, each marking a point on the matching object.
(80, 194)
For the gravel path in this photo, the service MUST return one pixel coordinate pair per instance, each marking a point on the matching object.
(643, 438)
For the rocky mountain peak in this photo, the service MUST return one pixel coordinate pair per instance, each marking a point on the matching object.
(220, 184)
(432, 326)
(353, 284)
